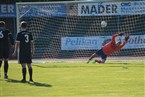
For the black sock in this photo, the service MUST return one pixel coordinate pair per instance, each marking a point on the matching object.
(0, 64)
(24, 73)
(6, 66)
(0, 67)
(30, 73)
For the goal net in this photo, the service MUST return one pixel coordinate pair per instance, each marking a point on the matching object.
(72, 30)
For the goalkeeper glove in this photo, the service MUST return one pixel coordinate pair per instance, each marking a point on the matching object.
(121, 33)
(126, 38)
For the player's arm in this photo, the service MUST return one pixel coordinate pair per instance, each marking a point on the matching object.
(32, 44)
(113, 38)
(11, 39)
(17, 45)
(124, 42)
(32, 47)
(115, 35)
(121, 45)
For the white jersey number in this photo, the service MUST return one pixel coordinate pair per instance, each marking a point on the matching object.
(27, 38)
(1, 34)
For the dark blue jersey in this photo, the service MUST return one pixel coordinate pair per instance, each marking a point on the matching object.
(5, 36)
(25, 38)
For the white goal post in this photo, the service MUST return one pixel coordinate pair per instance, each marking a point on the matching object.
(72, 30)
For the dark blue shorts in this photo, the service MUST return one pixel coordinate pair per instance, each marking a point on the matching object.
(4, 53)
(101, 53)
(25, 57)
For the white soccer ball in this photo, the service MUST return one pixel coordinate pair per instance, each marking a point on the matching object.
(103, 24)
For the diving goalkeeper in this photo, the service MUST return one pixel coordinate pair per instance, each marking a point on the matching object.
(109, 48)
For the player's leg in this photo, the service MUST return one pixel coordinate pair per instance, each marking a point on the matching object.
(0, 63)
(30, 71)
(0, 66)
(103, 57)
(22, 61)
(6, 66)
(92, 56)
(100, 61)
(1, 59)
(29, 65)
(23, 72)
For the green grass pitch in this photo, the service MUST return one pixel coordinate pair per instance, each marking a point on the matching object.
(64, 79)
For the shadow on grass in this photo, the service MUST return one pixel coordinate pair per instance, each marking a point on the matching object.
(38, 84)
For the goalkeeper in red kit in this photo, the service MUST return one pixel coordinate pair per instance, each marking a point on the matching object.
(109, 48)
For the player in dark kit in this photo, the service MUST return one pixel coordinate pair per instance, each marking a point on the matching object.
(5, 36)
(24, 41)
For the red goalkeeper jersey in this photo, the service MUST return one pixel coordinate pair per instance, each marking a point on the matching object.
(110, 46)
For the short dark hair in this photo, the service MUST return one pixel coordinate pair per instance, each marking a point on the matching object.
(2, 23)
(23, 24)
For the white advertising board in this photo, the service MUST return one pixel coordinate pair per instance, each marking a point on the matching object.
(111, 8)
(96, 42)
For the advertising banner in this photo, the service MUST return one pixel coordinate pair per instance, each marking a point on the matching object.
(7, 10)
(97, 42)
(42, 10)
(98, 9)
(137, 7)
(111, 8)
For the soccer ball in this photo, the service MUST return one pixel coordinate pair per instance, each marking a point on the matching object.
(103, 24)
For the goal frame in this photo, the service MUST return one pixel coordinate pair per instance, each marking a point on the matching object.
(58, 2)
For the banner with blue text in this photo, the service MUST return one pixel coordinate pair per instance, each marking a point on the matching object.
(97, 42)
(111, 8)
(7, 10)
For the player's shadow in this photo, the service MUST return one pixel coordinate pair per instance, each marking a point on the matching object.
(38, 84)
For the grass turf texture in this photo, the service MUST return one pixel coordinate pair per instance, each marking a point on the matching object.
(63, 79)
